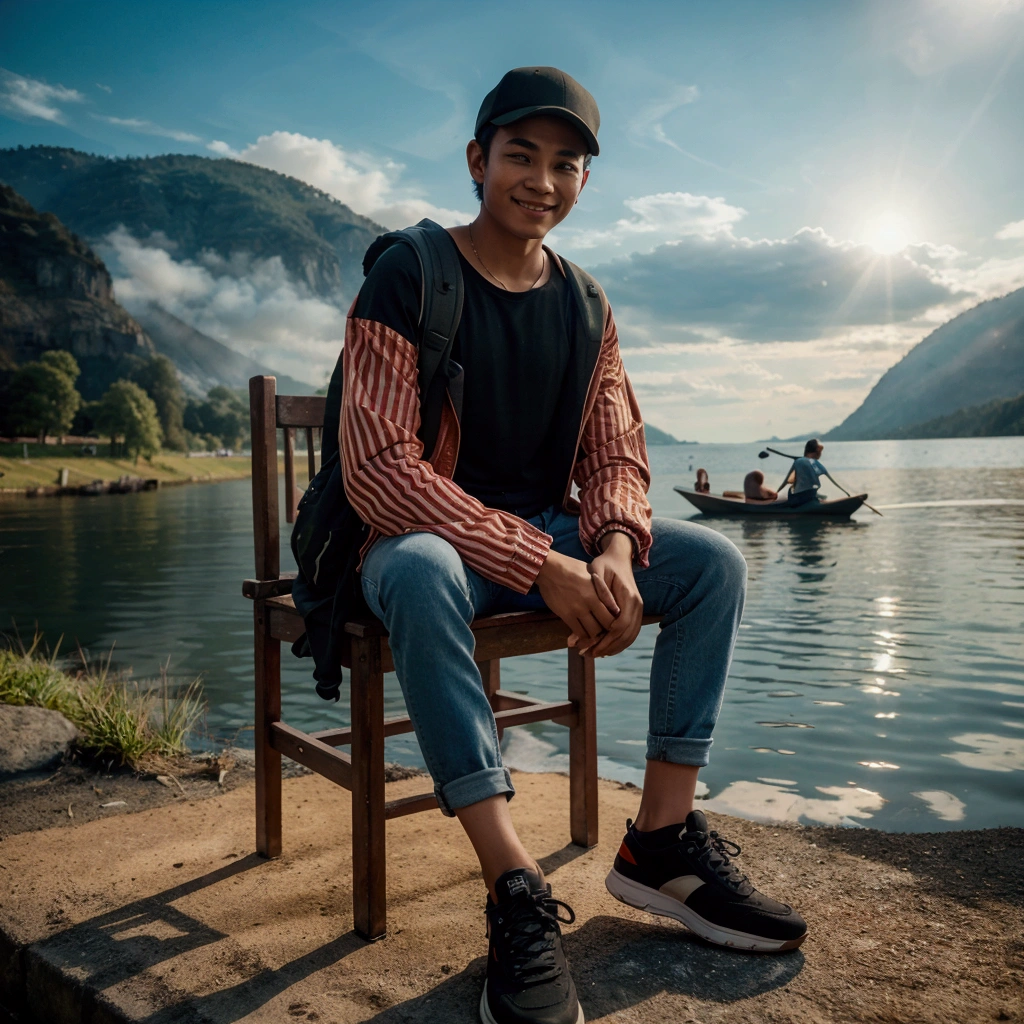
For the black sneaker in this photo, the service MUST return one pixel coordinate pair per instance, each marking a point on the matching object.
(685, 872)
(527, 977)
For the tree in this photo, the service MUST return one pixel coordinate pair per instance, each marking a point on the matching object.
(223, 416)
(128, 413)
(159, 379)
(44, 396)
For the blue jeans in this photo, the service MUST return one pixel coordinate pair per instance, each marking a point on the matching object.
(427, 598)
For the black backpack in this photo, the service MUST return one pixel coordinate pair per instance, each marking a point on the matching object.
(328, 533)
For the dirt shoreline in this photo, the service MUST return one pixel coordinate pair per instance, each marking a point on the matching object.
(39, 475)
(166, 915)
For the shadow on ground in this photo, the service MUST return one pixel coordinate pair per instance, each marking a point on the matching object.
(618, 964)
(969, 867)
(96, 950)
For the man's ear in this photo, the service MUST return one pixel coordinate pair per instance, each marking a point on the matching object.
(583, 182)
(475, 161)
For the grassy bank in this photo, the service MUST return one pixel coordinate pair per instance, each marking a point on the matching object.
(45, 462)
(117, 717)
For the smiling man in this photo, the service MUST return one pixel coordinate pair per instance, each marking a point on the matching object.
(485, 524)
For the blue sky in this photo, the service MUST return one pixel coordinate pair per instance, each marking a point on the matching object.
(789, 195)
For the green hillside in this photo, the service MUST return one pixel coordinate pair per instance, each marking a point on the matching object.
(976, 358)
(1001, 418)
(198, 204)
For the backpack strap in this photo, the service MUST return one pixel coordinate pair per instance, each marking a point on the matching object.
(591, 301)
(441, 296)
(443, 292)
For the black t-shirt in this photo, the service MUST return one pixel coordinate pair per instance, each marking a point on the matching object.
(515, 349)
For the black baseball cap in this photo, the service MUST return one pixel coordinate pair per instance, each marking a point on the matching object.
(524, 92)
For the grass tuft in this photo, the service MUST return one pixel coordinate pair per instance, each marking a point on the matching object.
(136, 725)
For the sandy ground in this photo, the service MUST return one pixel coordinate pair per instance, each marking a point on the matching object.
(167, 916)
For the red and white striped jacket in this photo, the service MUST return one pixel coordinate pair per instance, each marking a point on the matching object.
(396, 490)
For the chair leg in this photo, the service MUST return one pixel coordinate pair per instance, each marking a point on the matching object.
(583, 752)
(268, 760)
(369, 877)
(490, 673)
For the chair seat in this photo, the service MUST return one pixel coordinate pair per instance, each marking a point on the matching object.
(497, 636)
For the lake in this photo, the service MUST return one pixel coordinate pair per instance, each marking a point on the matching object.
(878, 679)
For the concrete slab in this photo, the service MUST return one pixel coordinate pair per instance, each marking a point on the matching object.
(168, 917)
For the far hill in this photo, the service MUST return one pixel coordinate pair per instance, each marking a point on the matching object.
(55, 293)
(976, 358)
(655, 436)
(203, 362)
(1001, 418)
(198, 203)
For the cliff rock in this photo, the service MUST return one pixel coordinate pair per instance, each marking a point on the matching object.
(55, 293)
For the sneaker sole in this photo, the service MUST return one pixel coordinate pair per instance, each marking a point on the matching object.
(488, 1018)
(642, 897)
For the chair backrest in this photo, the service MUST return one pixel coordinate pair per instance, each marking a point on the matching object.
(269, 412)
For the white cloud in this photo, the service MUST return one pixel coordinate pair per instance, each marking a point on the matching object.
(369, 185)
(657, 218)
(105, 88)
(723, 389)
(648, 122)
(1013, 230)
(143, 127)
(253, 306)
(805, 287)
(28, 97)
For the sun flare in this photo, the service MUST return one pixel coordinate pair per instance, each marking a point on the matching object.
(888, 232)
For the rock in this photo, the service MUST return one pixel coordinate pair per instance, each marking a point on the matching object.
(32, 739)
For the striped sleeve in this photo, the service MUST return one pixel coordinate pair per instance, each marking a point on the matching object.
(613, 476)
(394, 489)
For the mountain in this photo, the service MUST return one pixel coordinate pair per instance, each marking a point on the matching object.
(196, 204)
(55, 293)
(976, 358)
(655, 436)
(1002, 418)
(203, 362)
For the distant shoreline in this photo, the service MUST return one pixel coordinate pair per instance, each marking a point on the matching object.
(40, 475)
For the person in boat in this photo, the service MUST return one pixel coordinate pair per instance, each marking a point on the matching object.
(703, 484)
(805, 474)
(754, 488)
(485, 524)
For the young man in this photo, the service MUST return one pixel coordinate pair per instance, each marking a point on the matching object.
(805, 474)
(487, 525)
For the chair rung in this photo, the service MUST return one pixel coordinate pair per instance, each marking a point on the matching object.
(342, 737)
(313, 753)
(563, 710)
(410, 805)
(505, 700)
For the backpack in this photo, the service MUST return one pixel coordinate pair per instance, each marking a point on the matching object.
(328, 533)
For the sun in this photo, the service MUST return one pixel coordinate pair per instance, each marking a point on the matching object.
(888, 232)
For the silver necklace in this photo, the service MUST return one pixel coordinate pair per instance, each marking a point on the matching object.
(543, 264)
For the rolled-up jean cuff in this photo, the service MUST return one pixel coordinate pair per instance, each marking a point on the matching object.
(678, 750)
(471, 789)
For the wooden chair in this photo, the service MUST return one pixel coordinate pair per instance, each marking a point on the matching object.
(368, 658)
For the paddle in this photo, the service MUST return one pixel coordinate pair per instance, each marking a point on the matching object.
(775, 451)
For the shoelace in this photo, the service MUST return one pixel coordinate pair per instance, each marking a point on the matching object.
(529, 925)
(716, 853)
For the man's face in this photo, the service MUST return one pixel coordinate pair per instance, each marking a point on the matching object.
(532, 175)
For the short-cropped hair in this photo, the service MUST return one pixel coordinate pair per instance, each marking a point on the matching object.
(811, 446)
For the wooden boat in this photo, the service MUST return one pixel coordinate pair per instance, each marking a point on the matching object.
(718, 505)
